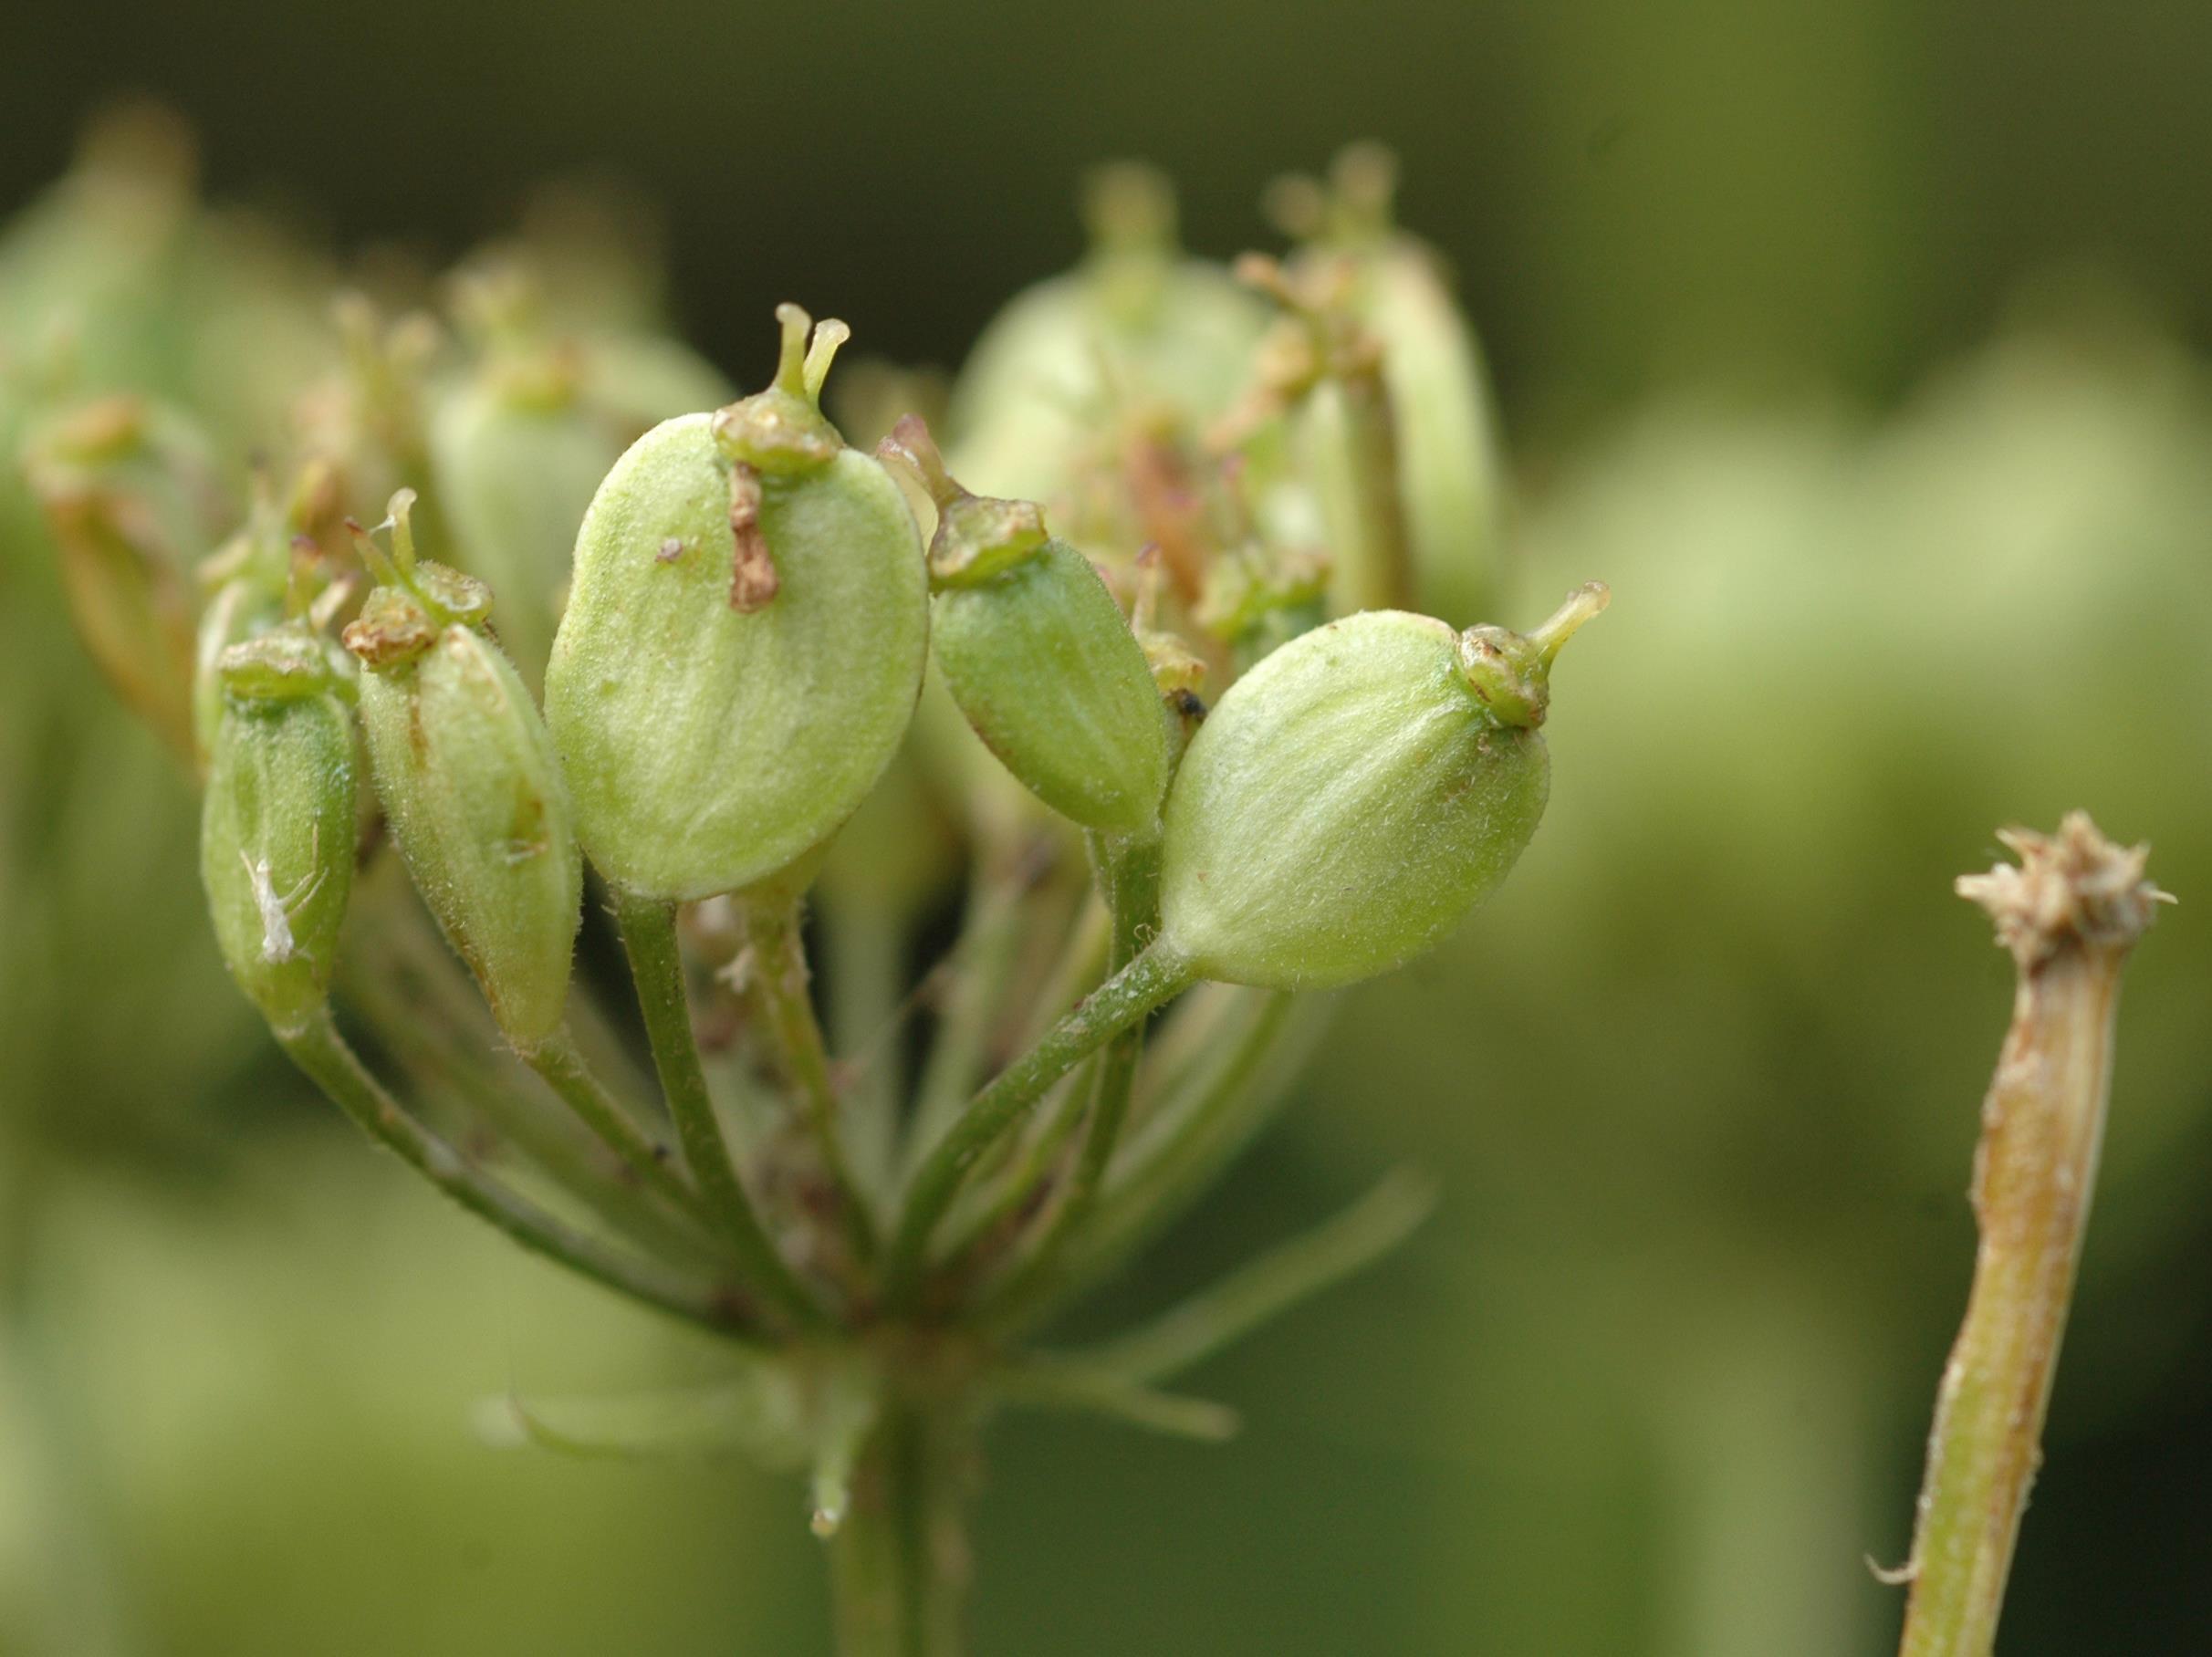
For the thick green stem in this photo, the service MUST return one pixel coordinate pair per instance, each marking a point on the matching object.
(648, 934)
(1152, 980)
(779, 982)
(899, 1564)
(318, 1048)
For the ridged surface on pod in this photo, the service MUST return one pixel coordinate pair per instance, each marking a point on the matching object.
(1043, 664)
(1345, 804)
(708, 746)
(277, 829)
(468, 779)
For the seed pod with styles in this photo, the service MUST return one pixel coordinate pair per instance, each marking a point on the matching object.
(468, 781)
(276, 824)
(744, 640)
(1355, 794)
(1039, 655)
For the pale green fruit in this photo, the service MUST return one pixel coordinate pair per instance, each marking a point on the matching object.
(1136, 324)
(722, 700)
(277, 821)
(1042, 662)
(1355, 795)
(1039, 655)
(474, 796)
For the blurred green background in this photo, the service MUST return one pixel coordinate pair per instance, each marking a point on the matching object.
(1859, 347)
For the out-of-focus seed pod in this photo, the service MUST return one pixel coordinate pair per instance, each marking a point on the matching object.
(1136, 324)
(518, 450)
(1039, 656)
(1357, 793)
(466, 774)
(276, 824)
(1450, 473)
(129, 497)
(744, 640)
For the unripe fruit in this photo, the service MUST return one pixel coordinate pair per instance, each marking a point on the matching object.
(1356, 794)
(517, 450)
(474, 796)
(276, 824)
(129, 495)
(1039, 655)
(1450, 478)
(1138, 323)
(744, 640)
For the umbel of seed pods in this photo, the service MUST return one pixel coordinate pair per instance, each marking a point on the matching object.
(741, 654)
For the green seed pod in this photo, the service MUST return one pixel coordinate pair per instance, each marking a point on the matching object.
(129, 499)
(744, 642)
(1039, 655)
(516, 462)
(466, 774)
(276, 826)
(1449, 473)
(1356, 794)
(518, 451)
(1137, 322)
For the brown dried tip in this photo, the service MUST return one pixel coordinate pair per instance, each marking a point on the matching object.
(2074, 887)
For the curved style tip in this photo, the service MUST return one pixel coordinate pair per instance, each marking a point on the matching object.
(1583, 603)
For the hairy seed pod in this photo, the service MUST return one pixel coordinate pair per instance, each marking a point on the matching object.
(744, 642)
(1039, 655)
(473, 795)
(277, 824)
(1355, 795)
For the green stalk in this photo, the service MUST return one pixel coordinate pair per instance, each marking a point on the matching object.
(900, 1562)
(1187, 1138)
(560, 1061)
(780, 982)
(439, 1060)
(980, 964)
(648, 934)
(867, 1025)
(1276, 1281)
(2069, 914)
(318, 1048)
(1129, 871)
(1152, 980)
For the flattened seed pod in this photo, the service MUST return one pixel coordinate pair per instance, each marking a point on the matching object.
(468, 781)
(1039, 655)
(1355, 795)
(744, 640)
(277, 824)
